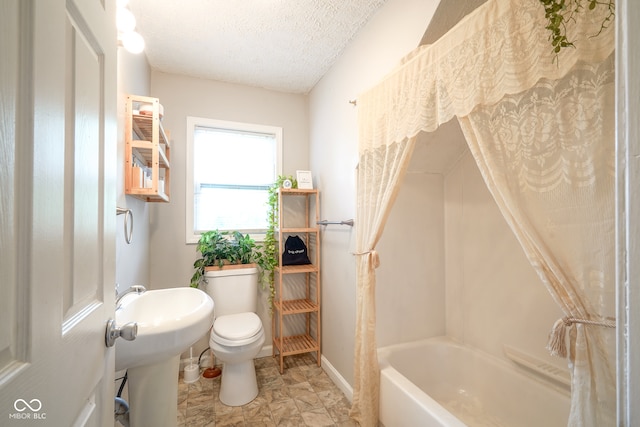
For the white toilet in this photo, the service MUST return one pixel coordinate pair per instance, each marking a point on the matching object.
(237, 334)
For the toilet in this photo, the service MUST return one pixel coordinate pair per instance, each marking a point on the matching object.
(237, 334)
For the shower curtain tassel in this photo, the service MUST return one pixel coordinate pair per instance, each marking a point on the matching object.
(557, 338)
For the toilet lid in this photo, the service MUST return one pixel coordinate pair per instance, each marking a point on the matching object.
(237, 326)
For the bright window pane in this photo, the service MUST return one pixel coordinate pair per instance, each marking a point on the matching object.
(232, 170)
(230, 209)
(228, 157)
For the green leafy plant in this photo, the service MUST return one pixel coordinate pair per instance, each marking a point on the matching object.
(220, 248)
(560, 12)
(269, 250)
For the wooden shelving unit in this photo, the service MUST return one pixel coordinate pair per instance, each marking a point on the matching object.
(308, 305)
(147, 148)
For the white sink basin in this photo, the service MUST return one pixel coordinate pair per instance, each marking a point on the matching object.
(169, 321)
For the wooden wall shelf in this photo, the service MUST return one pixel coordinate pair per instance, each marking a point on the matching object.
(147, 149)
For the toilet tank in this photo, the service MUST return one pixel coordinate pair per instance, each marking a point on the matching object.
(233, 290)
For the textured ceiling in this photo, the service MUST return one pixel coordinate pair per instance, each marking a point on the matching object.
(284, 45)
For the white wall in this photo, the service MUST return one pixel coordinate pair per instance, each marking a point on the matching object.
(171, 259)
(132, 261)
(392, 33)
(410, 291)
(494, 296)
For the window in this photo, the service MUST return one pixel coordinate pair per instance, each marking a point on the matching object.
(230, 167)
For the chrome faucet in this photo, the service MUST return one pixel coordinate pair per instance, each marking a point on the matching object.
(138, 289)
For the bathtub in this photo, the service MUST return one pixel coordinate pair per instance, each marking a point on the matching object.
(438, 382)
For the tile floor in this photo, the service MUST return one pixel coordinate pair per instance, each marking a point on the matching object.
(302, 396)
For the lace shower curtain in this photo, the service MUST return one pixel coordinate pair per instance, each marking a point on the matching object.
(542, 134)
(379, 178)
(547, 156)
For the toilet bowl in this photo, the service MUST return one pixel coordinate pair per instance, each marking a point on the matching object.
(237, 334)
(236, 349)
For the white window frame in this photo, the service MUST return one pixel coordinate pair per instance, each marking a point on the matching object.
(192, 237)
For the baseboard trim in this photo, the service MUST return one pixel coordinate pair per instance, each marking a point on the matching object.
(266, 351)
(327, 367)
(337, 379)
(331, 372)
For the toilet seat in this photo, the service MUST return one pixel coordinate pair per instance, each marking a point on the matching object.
(236, 329)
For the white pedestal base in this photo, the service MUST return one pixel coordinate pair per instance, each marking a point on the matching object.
(153, 394)
(238, 385)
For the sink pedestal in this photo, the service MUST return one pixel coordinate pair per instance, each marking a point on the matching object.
(168, 322)
(153, 394)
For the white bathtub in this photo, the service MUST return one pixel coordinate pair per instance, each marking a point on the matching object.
(437, 382)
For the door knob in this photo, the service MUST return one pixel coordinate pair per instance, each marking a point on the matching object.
(128, 332)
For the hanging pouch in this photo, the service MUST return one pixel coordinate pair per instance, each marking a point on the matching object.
(295, 252)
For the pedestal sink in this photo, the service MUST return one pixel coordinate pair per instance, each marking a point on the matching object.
(169, 321)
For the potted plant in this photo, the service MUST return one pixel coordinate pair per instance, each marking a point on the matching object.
(218, 248)
(225, 249)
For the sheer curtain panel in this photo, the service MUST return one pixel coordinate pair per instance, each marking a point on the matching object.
(541, 130)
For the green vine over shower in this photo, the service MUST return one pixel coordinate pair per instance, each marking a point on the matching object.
(560, 12)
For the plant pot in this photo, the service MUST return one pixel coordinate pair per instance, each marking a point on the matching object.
(229, 267)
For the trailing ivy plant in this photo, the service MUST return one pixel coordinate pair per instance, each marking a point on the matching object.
(560, 12)
(269, 249)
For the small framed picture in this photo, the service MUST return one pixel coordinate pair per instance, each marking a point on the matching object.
(304, 180)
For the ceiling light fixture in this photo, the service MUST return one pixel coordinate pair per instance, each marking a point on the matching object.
(125, 21)
(126, 24)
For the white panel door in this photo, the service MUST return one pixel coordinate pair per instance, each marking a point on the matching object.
(57, 211)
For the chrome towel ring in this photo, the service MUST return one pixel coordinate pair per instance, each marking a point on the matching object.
(128, 229)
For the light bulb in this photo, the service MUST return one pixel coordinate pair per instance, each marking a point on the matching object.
(125, 21)
(133, 42)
